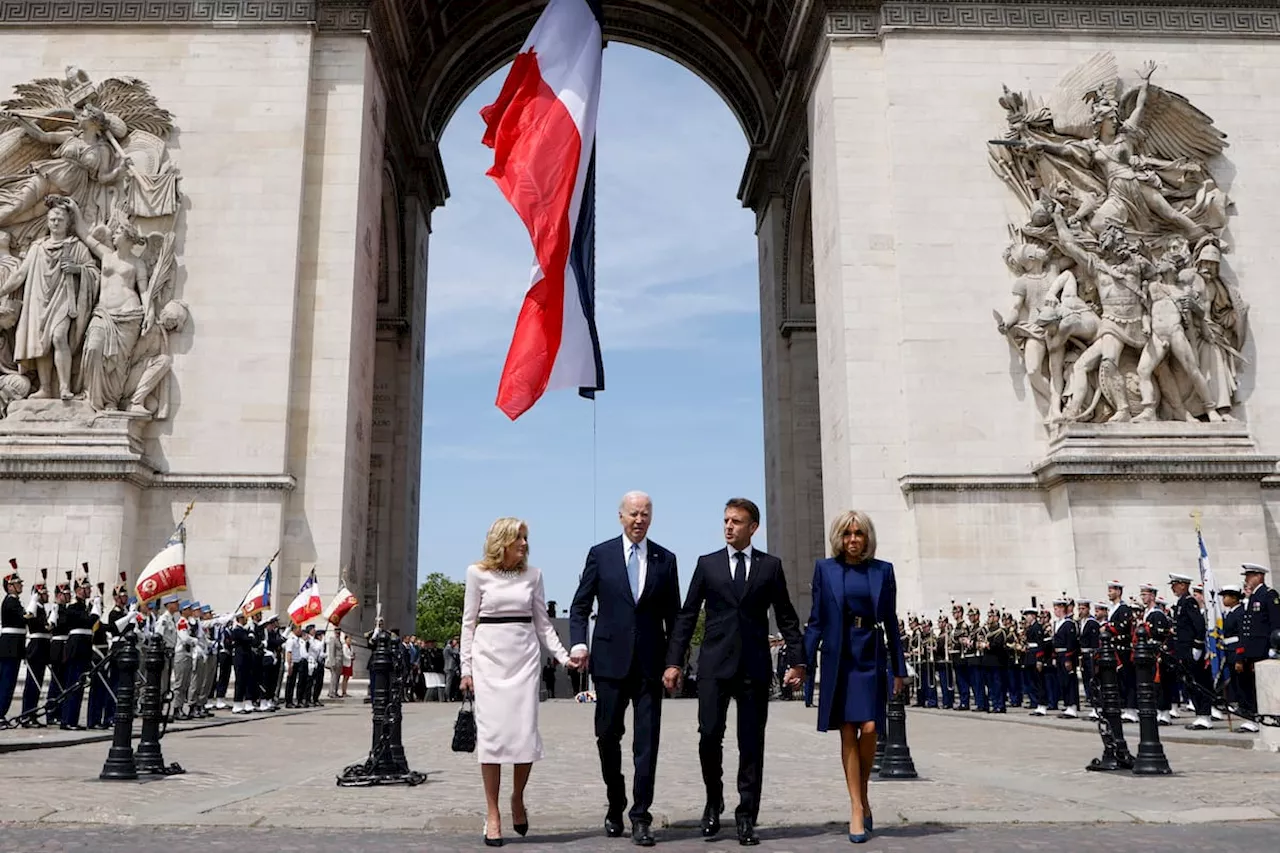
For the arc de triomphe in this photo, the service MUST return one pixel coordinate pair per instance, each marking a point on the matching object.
(276, 161)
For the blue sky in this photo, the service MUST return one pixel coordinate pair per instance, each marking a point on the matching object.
(679, 320)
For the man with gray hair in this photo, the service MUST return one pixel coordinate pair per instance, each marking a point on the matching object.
(635, 583)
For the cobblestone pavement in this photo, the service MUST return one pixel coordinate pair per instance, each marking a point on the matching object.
(279, 772)
(933, 838)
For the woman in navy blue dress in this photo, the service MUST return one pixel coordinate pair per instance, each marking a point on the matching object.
(854, 623)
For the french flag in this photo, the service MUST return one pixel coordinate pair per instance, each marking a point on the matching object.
(542, 130)
(306, 604)
(259, 595)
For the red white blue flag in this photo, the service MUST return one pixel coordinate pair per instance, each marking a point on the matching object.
(542, 130)
(306, 604)
(259, 595)
(167, 571)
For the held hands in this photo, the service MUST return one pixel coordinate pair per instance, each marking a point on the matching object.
(899, 684)
(465, 684)
(671, 678)
(579, 660)
(794, 677)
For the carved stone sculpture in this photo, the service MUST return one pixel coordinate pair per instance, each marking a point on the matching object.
(89, 204)
(1120, 309)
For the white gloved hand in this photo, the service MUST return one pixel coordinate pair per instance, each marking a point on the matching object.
(1197, 655)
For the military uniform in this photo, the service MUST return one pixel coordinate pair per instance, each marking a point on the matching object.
(81, 622)
(1033, 663)
(993, 661)
(1120, 617)
(58, 630)
(13, 635)
(1189, 652)
(1090, 636)
(1260, 618)
(241, 643)
(1066, 656)
(1160, 629)
(38, 639)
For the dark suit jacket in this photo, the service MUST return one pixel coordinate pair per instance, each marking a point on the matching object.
(628, 633)
(736, 639)
(1188, 629)
(826, 631)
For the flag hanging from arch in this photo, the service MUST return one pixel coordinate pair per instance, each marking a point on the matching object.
(542, 129)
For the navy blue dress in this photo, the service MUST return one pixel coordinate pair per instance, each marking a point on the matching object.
(857, 681)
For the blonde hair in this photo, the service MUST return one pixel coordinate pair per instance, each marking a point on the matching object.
(501, 534)
(845, 520)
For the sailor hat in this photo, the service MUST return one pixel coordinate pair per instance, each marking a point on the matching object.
(1253, 568)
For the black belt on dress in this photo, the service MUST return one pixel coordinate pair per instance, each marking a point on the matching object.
(504, 620)
(860, 622)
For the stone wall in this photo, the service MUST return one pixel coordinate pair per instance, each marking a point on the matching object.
(928, 422)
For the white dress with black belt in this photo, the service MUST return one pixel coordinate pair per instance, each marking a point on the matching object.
(504, 627)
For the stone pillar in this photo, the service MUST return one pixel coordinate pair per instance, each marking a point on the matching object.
(395, 461)
(332, 392)
(859, 312)
(789, 359)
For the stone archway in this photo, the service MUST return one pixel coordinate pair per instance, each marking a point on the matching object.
(451, 47)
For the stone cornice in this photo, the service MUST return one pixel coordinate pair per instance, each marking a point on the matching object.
(331, 16)
(262, 482)
(1150, 18)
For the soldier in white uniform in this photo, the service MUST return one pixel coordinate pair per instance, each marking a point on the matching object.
(166, 626)
(183, 662)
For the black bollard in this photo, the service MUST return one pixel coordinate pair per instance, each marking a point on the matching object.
(149, 756)
(1115, 751)
(897, 763)
(395, 699)
(120, 764)
(879, 759)
(1151, 760)
(386, 764)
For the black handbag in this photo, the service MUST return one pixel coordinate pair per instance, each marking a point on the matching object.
(464, 728)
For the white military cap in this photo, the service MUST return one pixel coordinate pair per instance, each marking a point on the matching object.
(1250, 568)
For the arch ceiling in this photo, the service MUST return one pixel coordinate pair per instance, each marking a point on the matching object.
(735, 45)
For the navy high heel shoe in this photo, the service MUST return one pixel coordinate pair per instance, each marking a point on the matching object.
(862, 838)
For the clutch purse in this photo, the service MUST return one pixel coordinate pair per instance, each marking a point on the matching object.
(464, 728)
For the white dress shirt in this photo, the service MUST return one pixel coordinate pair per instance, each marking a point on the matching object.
(733, 560)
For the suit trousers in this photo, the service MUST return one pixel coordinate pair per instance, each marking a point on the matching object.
(752, 698)
(612, 698)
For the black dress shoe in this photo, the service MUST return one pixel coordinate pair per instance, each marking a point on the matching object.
(747, 832)
(612, 826)
(711, 820)
(642, 835)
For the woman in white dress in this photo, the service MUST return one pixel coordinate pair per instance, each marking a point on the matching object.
(504, 625)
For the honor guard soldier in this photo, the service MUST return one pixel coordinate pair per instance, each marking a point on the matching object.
(207, 668)
(184, 650)
(101, 696)
(117, 623)
(58, 630)
(1159, 628)
(256, 661)
(1066, 655)
(222, 642)
(1232, 617)
(1013, 659)
(13, 637)
(38, 637)
(272, 659)
(960, 650)
(241, 642)
(166, 626)
(1033, 661)
(971, 654)
(1188, 649)
(994, 659)
(82, 617)
(1090, 635)
(1260, 618)
(943, 654)
(1120, 617)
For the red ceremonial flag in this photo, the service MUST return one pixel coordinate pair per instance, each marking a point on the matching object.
(342, 604)
(167, 571)
(542, 130)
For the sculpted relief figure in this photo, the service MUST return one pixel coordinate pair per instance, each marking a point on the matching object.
(89, 207)
(1117, 183)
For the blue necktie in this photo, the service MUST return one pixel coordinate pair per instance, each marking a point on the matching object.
(740, 575)
(633, 571)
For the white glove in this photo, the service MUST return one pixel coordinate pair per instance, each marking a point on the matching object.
(31, 605)
(96, 606)
(1197, 654)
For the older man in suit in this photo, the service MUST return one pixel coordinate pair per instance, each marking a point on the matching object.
(634, 582)
(738, 584)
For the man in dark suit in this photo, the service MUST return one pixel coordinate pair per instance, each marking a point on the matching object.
(634, 582)
(738, 585)
(1260, 617)
(1189, 631)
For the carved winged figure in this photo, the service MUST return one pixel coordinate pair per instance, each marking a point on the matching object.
(102, 145)
(1096, 165)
